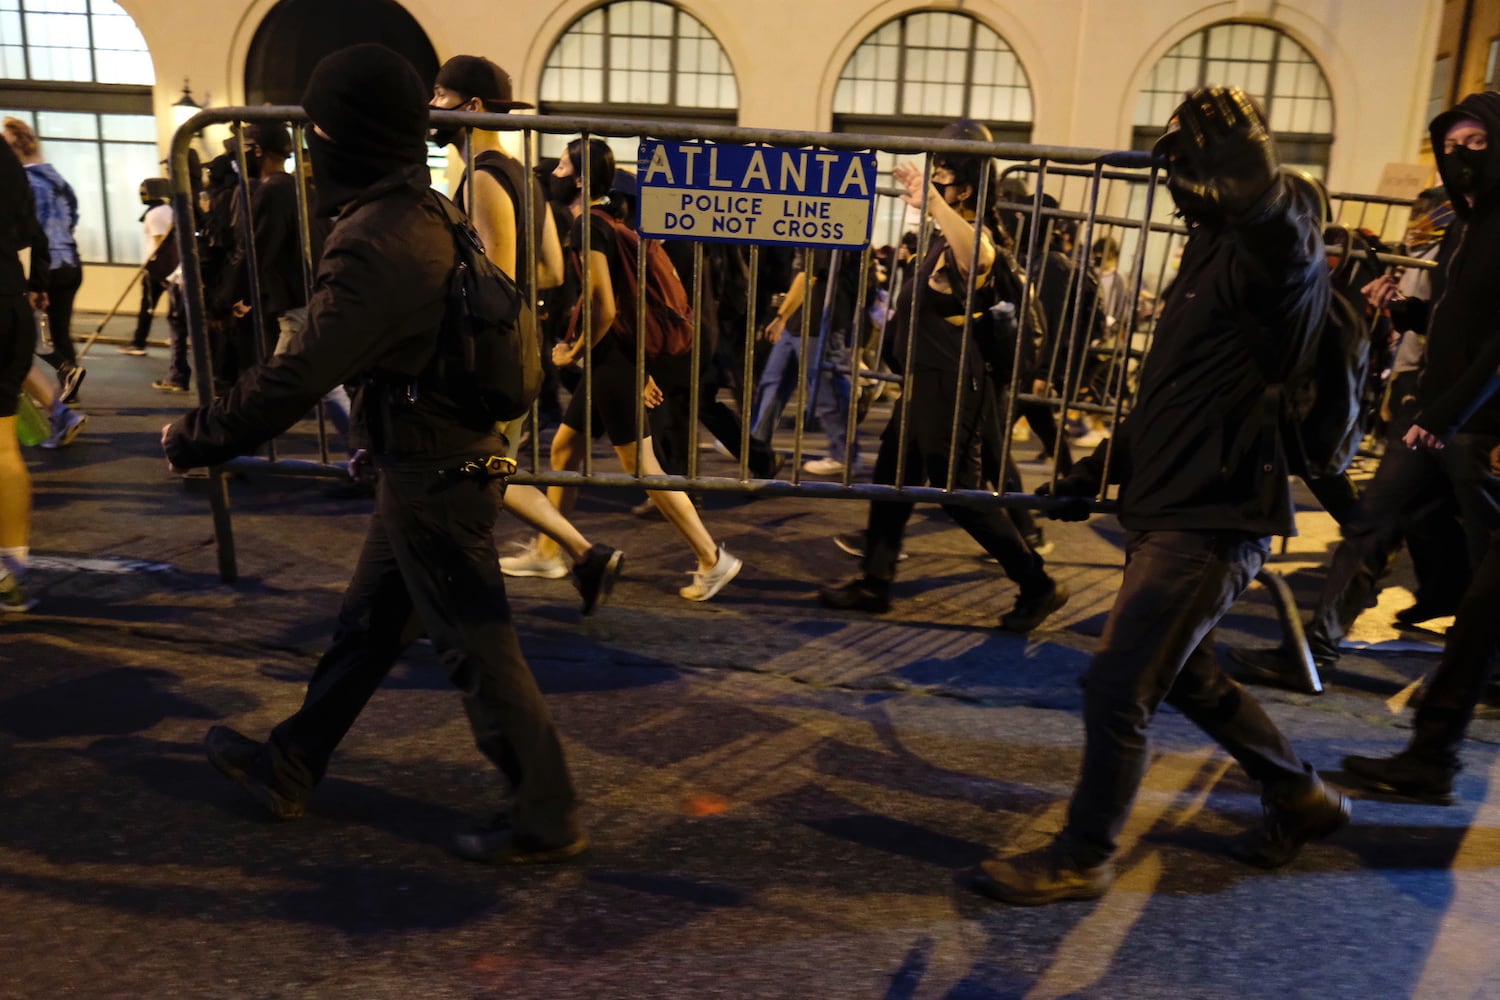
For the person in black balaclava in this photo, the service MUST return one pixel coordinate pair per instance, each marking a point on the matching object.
(428, 563)
(1458, 426)
(1204, 473)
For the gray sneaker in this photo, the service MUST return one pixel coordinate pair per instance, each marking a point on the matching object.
(13, 597)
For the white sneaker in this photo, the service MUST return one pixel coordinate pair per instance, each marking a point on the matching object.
(530, 562)
(65, 427)
(706, 585)
(829, 466)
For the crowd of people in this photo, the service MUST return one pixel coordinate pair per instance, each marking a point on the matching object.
(1203, 459)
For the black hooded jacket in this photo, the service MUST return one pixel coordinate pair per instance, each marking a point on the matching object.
(377, 305)
(1203, 447)
(19, 230)
(1462, 320)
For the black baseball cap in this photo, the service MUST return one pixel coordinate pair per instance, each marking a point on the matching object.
(476, 76)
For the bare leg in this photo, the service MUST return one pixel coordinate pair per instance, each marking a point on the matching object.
(15, 490)
(531, 506)
(567, 455)
(674, 506)
(39, 387)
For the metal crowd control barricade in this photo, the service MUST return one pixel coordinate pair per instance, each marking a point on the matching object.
(1099, 194)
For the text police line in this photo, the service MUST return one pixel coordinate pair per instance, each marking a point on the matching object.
(756, 194)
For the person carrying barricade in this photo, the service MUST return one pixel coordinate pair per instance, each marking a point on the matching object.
(948, 376)
(1204, 464)
(611, 347)
(380, 316)
(493, 200)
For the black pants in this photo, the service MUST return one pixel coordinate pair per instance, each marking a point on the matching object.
(928, 431)
(1455, 688)
(429, 563)
(1042, 420)
(1158, 645)
(62, 288)
(151, 292)
(673, 431)
(1412, 493)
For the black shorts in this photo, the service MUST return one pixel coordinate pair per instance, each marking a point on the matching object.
(17, 344)
(614, 395)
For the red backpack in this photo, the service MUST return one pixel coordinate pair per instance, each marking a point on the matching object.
(669, 318)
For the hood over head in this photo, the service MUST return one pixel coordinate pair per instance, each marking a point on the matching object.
(1470, 171)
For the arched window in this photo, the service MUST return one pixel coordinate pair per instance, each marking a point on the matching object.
(638, 58)
(1269, 65)
(917, 73)
(79, 73)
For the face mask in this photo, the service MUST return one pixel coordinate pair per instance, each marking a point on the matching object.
(1193, 206)
(252, 164)
(1463, 168)
(445, 137)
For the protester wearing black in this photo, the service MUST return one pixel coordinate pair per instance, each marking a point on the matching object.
(1204, 469)
(935, 392)
(428, 562)
(1458, 421)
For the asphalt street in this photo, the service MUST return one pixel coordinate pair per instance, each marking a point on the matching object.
(784, 801)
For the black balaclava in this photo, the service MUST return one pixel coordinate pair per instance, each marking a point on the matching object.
(1470, 171)
(373, 106)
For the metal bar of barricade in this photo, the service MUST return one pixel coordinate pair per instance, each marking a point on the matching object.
(924, 243)
(252, 261)
(304, 235)
(1073, 366)
(535, 230)
(695, 360)
(586, 307)
(747, 364)
(971, 282)
(195, 317)
(852, 347)
(816, 363)
(805, 335)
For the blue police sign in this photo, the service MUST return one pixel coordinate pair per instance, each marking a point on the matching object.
(756, 194)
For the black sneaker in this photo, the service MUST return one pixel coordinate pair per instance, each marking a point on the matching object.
(862, 594)
(1424, 611)
(1403, 775)
(595, 577)
(1291, 821)
(237, 756)
(1032, 609)
(1274, 668)
(1046, 875)
(498, 844)
(69, 378)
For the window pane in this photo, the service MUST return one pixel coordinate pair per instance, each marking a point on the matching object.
(132, 128)
(78, 162)
(129, 164)
(67, 125)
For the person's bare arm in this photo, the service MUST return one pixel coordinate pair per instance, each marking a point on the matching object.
(494, 218)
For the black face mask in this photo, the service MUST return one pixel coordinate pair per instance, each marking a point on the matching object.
(445, 137)
(1463, 169)
(1193, 206)
(339, 173)
(252, 164)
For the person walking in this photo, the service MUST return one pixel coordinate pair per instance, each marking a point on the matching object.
(428, 563)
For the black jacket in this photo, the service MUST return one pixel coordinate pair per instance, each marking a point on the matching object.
(1462, 320)
(1203, 447)
(377, 307)
(19, 229)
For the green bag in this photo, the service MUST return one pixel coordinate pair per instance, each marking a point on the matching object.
(32, 428)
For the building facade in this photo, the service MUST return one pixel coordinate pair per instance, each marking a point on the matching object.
(1347, 85)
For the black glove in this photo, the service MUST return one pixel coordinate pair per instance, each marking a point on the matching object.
(1074, 494)
(1220, 153)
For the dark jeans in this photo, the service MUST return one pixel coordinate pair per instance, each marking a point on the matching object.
(179, 367)
(1413, 492)
(1158, 645)
(151, 292)
(1455, 688)
(1042, 420)
(62, 288)
(928, 432)
(429, 564)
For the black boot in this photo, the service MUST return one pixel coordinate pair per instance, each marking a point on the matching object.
(1292, 818)
(1032, 608)
(1406, 775)
(863, 594)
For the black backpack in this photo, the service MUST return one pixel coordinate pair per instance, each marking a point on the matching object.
(1329, 398)
(489, 357)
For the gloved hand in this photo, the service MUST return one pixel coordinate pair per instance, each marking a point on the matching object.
(1220, 154)
(1075, 493)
